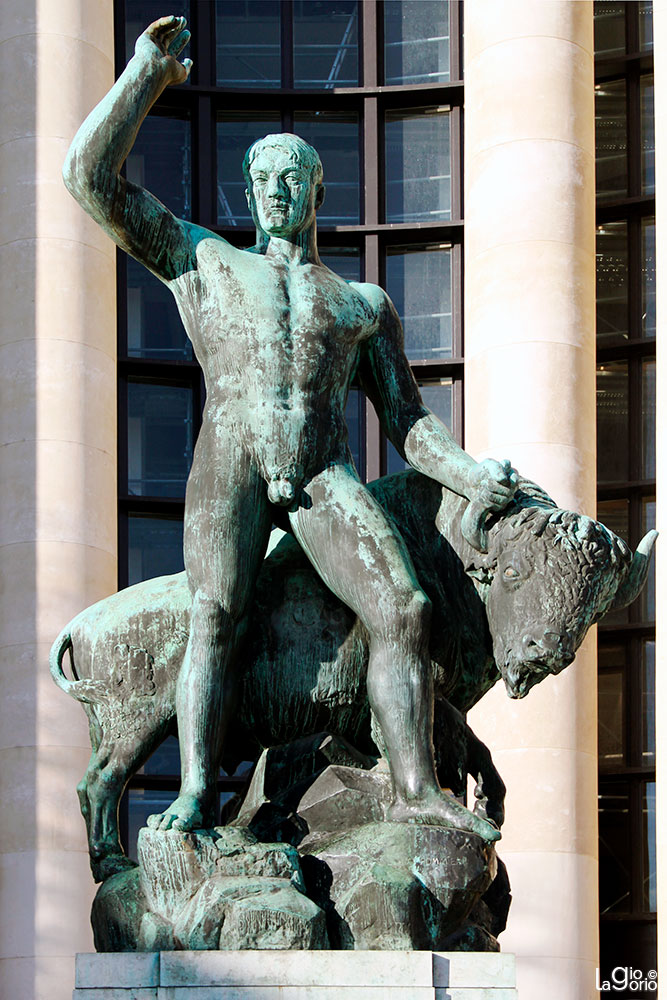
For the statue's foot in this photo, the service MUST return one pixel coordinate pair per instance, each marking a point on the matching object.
(441, 810)
(186, 813)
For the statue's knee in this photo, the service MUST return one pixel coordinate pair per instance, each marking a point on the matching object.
(216, 612)
(408, 619)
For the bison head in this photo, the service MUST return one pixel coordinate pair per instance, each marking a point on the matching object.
(551, 574)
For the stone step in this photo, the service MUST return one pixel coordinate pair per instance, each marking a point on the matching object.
(296, 993)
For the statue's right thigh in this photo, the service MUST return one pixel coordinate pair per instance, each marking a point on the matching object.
(227, 527)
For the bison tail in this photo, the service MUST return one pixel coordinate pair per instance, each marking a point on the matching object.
(62, 645)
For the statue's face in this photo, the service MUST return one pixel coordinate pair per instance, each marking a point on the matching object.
(282, 193)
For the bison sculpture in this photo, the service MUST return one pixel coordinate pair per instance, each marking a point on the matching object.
(517, 606)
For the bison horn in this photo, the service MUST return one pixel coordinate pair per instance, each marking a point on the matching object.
(637, 573)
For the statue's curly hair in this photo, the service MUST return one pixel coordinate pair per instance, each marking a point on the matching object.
(288, 143)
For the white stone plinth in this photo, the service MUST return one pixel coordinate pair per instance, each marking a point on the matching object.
(296, 975)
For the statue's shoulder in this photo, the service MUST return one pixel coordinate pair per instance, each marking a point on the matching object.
(375, 296)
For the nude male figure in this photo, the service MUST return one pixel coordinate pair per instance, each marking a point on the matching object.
(279, 338)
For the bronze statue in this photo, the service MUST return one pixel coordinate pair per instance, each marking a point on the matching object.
(279, 338)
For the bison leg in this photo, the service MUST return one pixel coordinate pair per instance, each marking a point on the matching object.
(459, 753)
(364, 561)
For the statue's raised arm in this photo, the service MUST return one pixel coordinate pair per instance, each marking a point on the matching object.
(134, 219)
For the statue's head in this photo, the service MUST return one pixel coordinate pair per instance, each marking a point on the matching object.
(284, 184)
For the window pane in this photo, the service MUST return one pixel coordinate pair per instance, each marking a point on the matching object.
(438, 397)
(247, 43)
(140, 13)
(648, 593)
(160, 162)
(142, 803)
(650, 895)
(165, 760)
(325, 43)
(615, 851)
(645, 25)
(416, 41)
(648, 135)
(419, 283)
(155, 547)
(418, 165)
(235, 135)
(609, 21)
(648, 703)
(355, 416)
(611, 131)
(154, 327)
(345, 261)
(611, 718)
(336, 138)
(648, 277)
(612, 414)
(612, 282)
(159, 439)
(648, 419)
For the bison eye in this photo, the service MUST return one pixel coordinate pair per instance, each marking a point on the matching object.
(510, 573)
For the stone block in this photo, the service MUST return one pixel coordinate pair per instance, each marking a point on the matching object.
(121, 971)
(108, 993)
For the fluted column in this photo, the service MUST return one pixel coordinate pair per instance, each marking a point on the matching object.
(58, 476)
(530, 397)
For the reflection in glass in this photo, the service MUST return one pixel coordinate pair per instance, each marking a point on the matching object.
(159, 439)
(155, 547)
(247, 43)
(611, 138)
(438, 397)
(355, 417)
(160, 161)
(609, 22)
(648, 419)
(615, 852)
(345, 261)
(165, 760)
(648, 277)
(648, 134)
(419, 283)
(154, 327)
(648, 702)
(611, 257)
(649, 894)
(235, 134)
(648, 593)
(612, 414)
(335, 136)
(416, 41)
(611, 719)
(418, 165)
(140, 13)
(142, 803)
(325, 44)
(645, 25)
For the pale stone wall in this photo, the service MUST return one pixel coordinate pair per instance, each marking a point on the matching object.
(58, 475)
(530, 397)
(660, 63)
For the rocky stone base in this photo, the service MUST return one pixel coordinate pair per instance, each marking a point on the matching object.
(303, 975)
(309, 863)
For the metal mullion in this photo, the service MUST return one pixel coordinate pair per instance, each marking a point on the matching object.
(634, 135)
(371, 31)
(371, 162)
(457, 300)
(287, 44)
(203, 32)
(456, 40)
(374, 446)
(205, 171)
(456, 158)
(636, 841)
(631, 28)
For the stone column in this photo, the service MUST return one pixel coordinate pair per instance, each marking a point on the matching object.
(660, 55)
(58, 475)
(530, 397)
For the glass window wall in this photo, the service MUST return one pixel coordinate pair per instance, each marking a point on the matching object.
(416, 41)
(159, 439)
(419, 283)
(418, 165)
